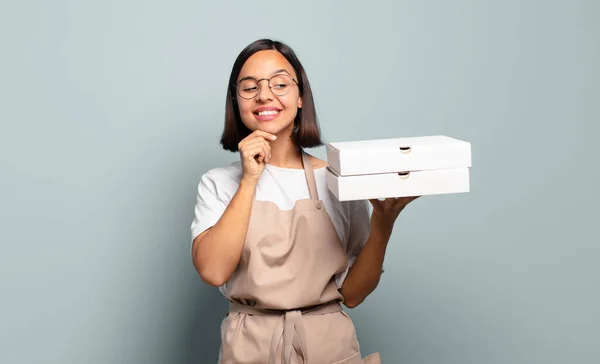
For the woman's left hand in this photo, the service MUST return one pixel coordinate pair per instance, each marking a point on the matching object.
(386, 212)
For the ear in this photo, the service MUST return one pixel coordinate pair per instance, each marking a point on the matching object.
(300, 102)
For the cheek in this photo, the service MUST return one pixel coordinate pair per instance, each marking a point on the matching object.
(244, 106)
(245, 111)
(291, 110)
(291, 103)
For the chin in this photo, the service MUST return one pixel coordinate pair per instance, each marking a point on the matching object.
(273, 127)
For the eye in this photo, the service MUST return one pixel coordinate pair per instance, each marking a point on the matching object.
(248, 85)
(280, 82)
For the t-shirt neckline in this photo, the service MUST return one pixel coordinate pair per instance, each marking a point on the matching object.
(286, 169)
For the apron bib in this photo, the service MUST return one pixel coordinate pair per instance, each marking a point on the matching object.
(285, 306)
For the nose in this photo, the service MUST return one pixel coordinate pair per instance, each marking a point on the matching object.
(264, 92)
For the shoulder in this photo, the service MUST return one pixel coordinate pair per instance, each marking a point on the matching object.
(232, 171)
(221, 181)
(317, 163)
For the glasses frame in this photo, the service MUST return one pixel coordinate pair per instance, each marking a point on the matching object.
(258, 83)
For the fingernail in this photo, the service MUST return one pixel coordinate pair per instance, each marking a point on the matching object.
(274, 137)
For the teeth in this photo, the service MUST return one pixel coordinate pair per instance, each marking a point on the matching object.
(270, 112)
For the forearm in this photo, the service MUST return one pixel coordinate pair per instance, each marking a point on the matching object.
(217, 251)
(364, 275)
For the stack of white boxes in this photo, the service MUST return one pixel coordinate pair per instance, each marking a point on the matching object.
(387, 168)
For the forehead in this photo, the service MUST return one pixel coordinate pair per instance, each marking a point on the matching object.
(265, 64)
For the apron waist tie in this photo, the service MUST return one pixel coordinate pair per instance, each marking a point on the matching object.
(290, 327)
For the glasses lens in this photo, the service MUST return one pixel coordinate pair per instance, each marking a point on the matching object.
(280, 84)
(248, 88)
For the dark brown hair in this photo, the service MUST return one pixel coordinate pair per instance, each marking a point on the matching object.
(306, 132)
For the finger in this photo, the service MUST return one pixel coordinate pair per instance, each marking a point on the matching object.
(398, 201)
(254, 153)
(263, 155)
(411, 199)
(376, 203)
(389, 202)
(264, 134)
(250, 141)
(254, 144)
(403, 201)
(263, 145)
(254, 136)
(267, 150)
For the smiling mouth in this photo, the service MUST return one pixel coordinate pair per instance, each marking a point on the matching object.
(268, 112)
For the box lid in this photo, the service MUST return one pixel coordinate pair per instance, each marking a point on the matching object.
(398, 155)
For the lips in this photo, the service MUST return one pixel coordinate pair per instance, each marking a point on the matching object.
(266, 113)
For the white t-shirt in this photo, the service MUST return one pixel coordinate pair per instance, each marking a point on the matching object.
(283, 186)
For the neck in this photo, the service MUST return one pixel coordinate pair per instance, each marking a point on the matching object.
(285, 154)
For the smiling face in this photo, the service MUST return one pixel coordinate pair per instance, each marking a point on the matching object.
(270, 110)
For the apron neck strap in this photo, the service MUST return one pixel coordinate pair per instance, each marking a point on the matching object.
(310, 177)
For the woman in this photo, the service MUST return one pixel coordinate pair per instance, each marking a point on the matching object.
(268, 233)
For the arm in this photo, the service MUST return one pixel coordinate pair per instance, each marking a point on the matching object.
(364, 275)
(217, 251)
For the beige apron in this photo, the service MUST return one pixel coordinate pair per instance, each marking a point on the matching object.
(285, 305)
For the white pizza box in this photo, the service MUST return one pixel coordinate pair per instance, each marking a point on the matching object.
(398, 155)
(389, 185)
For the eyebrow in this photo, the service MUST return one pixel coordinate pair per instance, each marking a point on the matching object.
(281, 70)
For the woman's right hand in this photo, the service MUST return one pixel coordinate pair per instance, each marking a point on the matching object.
(255, 152)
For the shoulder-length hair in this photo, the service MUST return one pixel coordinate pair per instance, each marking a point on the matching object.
(306, 132)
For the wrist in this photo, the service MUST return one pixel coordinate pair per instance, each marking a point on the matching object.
(247, 188)
(381, 227)
(248, 182)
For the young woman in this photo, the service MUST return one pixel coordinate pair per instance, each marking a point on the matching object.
(269, 234)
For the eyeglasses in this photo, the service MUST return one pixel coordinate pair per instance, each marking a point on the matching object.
(279, 85)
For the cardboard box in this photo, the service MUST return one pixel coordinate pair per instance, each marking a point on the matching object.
(398, 155)
(386, 185)
(384, 168)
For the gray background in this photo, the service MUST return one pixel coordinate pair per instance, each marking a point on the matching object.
(111, 111)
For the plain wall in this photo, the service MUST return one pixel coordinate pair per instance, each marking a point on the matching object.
(112, 110)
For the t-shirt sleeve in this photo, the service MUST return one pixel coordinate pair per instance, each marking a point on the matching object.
(209, 206)
(359, 230)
